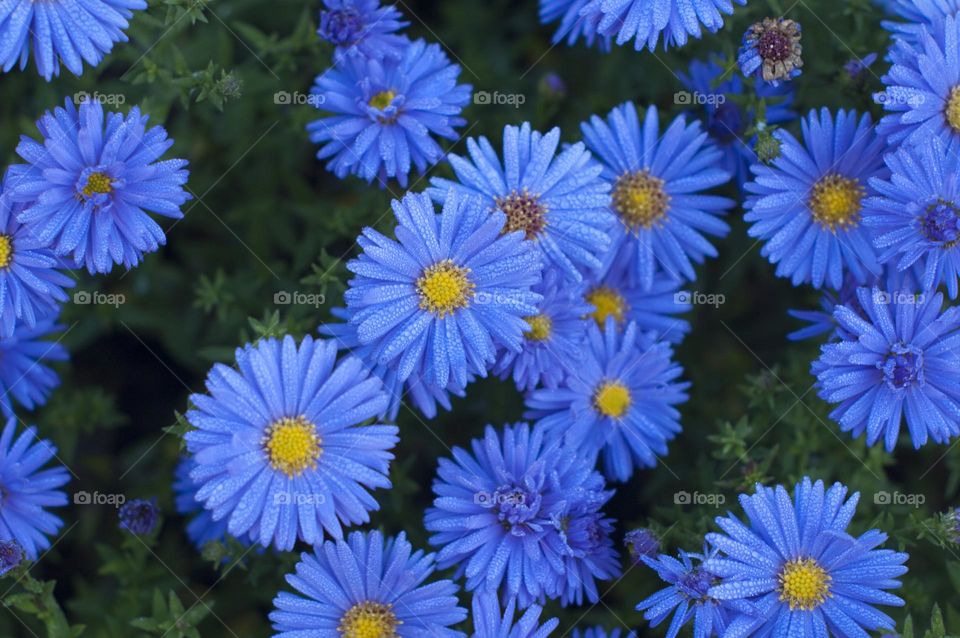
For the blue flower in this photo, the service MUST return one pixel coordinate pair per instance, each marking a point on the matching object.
(559, 201)
(499, 511)
(62, 31)
(573, 26)
(367, 587)
(201, 529)
(899, 360)
(441, 299)
(24, 375)
(922, 94)
(808, 205)
(28, 491)
(89, 185)
(855, 67)
(641, 542)
(139, 516)
(488, 622)
(619, 400)
(31, 286)
(771, 50)
(591, 555)
(385, 112)
(363, 27)
(645, 20)
(278, 448)
(656, 190)
(798, 568)
(11, 555)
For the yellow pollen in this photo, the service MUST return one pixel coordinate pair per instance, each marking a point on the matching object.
(612, 399)
(640, 200)
(369, 620)
(445, 287)
(608, 303)
(97, 183)
(6, 250)
(952, 112)
(541, 326)
(835, 201)
(293, 445)
(524, 212)
(804, 584)
(382, 99)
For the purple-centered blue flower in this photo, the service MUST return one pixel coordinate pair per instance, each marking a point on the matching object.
(618, 400)
(490, 622)
(656, 190)
(278, 444)
(808, 205)
(28, 490)
(799, 569)
(25, 377)
(386, 112)
(68, 32)
(90, 184)
(367, 586)
(573, 26)
(591, 555)
(363, 27)
(771, 51)
(646, 21)
(899, 360)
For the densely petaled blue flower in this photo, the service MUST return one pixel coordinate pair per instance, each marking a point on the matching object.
(804, 575)
(24, 375)
(591, 555)
(618, 400)
(645, 20)
(446, 294)
(771, 50)
(573, 26)
(499, 510)
(367, 587)
(915, 215)
(918, 16)
(656, 190)
(922, 94)
(558, 200)
(488, 622)
(62, 31)
(808, 205)
(386, 112)
(363, 27)
(899, 360)
(89, 185)
(27, 490)
(201, 529)
(278, 446)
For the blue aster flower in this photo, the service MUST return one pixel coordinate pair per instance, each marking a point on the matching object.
(386, 112)
(898, 361)
(24, 374)
(441, 299)
(11, 555)
(919, 16)
(591, 555)
(489, 622)
(619, 400)
(201, 529)
(89, 185)
(808, 205)
(28, 491)
(656, 190)
(641, 542)
(922, 94)
(573, 26)
(367, 586)
(139, 516)
(558, 200)
(62, 31)
(278, 445)
(499, 510)
(771, 50)
(363, 27)
(799, 569)
(644, 21)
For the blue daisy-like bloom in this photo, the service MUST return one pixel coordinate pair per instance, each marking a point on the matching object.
(499, 510)
(591, 555)
(645, 21)
(656, 190)
(28, 490)
(367, 586)
(558, 200)
(573, 26)
(11, 555)
(201, 529)
(386, 112)
(490, 622)
(922, 94)
(89, 185)
(618, 401)
(278, 445)
(363, 27)
(25, 376)
(62, 32)
(919, 16)
(799, 569)
(446, 294)
(771, 50)
(899, 361)
(808, 206)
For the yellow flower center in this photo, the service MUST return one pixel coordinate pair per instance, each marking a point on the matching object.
(382, 99)
(952, 112)
(445, 287)
(369, 620)
(804, 584)
(608, 303)
(541, 326)
(524, 212)
(97, 183)
(293, 445)
(612, 399)
(835, 201)
(6, 250)
(640, 200)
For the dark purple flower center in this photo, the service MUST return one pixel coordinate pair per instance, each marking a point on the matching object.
(340, 27)
(696, 583)
(775, 45)
(515, 505)
(903, 366)
(940, 223)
